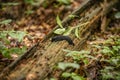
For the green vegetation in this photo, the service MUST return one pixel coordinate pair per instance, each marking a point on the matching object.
(111, 71)
(74, 76)
(117, 15)
(32, 2)
(79, 55)
(18, 35)
(59, 22)
(10, 4)
(110, 50)
(29, 1)
(68, 30)
(67, 2)
(28, 12)
(63, 65)
(5, 22)
(6, 52)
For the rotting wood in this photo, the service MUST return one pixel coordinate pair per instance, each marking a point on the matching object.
(41, 65)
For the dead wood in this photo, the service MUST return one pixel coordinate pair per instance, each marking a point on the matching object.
(38, 62)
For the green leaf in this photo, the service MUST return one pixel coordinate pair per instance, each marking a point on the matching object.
(66, 74)
(117, 15)
(2, 45)
(85, 61)
(59, 21)
(11, 4)
(28, 12)
(118, 47)
(17, 35)
(68, 31)
(59, 31)
(23, 49)
(91, 57)
(73, 53)
(115, 48)
(77, 52)
(63, 65)
(115, 61)
(6, 21)
(21, 35)
(96, 46)
(117, 41)
(64, 1)
(31, 2)
(107, 50)
(3, 34)
(106, 73)
(18, 50)
(6, 53)
(77, 32)
(77, 55)
(76, 77)
(14, 50)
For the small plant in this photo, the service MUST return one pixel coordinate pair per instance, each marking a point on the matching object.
(60, 30)
(28, 12)
(67, 2)
(10, 4)
(80, 55)
(33, 2)
(117, 15)
(59, 22)
(67, 31)
(109, 72)
(6, 52)
(5, 22)
(74, 76)
(63, 65)
(112, 71)
(18, 35)
(110, 49)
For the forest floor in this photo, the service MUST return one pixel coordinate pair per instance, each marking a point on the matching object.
(23, 24)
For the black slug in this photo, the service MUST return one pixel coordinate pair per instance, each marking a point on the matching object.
(61, 38)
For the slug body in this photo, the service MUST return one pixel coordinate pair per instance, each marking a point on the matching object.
(61, 38)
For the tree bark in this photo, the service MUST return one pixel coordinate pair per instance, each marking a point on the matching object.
(38, 61)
